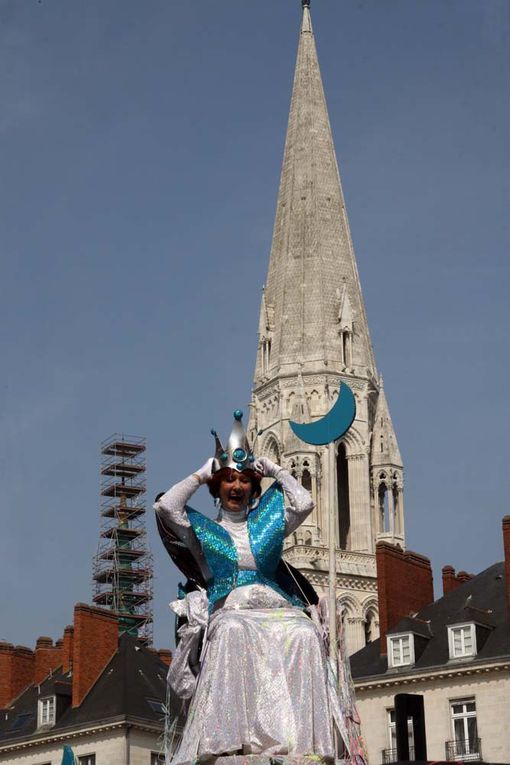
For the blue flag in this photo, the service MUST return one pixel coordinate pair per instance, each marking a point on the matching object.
(68, 757)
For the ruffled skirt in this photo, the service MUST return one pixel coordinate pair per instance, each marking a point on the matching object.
(262, 688)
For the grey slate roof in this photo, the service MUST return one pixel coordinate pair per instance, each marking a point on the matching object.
(133, 678)
(482, 600)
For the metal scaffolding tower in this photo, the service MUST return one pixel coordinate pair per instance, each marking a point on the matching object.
(123, 570)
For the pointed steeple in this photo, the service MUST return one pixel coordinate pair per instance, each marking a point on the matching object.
(313, 335)
(385, 451)
(312, 260)
(387, 474)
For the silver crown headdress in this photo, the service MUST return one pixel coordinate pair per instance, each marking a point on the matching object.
(238, 454)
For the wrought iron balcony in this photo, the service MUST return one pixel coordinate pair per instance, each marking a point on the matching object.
(469, 749)
(390, 755)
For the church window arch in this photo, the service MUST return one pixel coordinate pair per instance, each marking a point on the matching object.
(354, 443)
(383, 508)
(272, 450)
(344, 514)
(346, 347)
(315, 402)
(370, 625)
(265, 347)
(347, 607)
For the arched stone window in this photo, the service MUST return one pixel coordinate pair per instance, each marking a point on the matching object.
(315, 403)
(306, 480)
(271, 450)
(383, 508)
(370, 626)
(265, 352)
(344, 514)
(388, 503)
(346, 347)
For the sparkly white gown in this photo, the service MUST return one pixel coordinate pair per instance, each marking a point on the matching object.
(262, 687)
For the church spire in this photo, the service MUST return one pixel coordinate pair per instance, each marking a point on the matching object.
(313, 335)
(312, 261)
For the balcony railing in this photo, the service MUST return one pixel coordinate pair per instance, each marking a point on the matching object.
(390, 755)
(469, 749)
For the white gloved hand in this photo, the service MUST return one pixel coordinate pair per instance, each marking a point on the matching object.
(266, 468)
(204, 473)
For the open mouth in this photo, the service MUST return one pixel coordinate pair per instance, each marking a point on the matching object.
(235, 498)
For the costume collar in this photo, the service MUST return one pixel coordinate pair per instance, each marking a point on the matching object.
(232, 516)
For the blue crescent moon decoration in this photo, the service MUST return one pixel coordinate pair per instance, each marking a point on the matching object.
(333, 425)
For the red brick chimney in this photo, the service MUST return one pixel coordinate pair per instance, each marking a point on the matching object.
(404, 582)
(451, 580)
(67, 648)
(96, 632)
(165, 655)
(506, 544)
(16, 671)
(47, 658)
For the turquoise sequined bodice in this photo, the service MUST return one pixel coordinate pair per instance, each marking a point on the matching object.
(266, 527)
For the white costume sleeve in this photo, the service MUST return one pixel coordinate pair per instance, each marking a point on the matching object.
(299, 503)
(170, 509)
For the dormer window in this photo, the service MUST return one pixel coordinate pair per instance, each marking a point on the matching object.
(462, 640)
(46, 712)
(400, 650)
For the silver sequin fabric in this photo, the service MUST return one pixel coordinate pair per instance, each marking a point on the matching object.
(262, 688)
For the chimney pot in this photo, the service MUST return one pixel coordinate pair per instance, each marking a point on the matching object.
(67, 649)
(44, 642)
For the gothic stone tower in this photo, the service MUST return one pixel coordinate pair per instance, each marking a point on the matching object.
(313, 333)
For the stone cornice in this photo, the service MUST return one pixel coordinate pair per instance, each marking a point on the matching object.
(317, 559)
(70, 732)
(434, 673)
(353, 584)
(274, 385)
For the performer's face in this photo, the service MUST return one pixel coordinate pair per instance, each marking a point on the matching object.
(235, 491)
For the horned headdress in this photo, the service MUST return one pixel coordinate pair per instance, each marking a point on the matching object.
(238, 454)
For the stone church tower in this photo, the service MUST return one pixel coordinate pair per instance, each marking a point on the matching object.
(313, 333)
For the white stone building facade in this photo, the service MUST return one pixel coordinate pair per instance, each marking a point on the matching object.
(450, 695)
(121, 743)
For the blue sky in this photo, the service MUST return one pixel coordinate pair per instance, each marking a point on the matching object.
(140, 150)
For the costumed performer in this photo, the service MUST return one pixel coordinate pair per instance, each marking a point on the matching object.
(261, 685)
